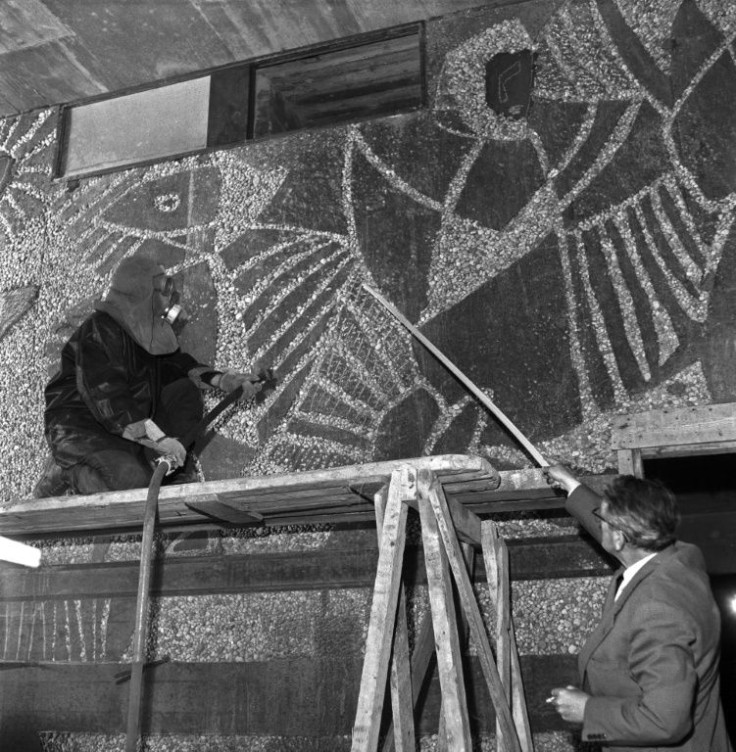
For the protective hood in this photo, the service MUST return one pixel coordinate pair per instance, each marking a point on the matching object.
(136, 303)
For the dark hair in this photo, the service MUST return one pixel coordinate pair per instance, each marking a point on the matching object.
(644, 510)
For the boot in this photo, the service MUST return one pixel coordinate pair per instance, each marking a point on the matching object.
(53, 482)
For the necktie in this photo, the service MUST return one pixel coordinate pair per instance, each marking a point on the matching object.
(618, 584)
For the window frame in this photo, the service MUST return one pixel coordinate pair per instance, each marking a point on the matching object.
(251, 66)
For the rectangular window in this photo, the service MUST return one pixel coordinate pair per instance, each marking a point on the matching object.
(356, 83)
(148, 125)
(347, 81)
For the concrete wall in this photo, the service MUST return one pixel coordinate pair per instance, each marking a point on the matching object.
(576, 264)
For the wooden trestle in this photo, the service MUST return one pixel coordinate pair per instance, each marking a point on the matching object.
(443, 522)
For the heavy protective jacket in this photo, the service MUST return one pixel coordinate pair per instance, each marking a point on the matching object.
(652, 663)
(106, 383)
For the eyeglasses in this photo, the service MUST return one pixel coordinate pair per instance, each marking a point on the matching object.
(597, 513)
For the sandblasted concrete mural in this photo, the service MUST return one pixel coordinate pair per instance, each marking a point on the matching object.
(576, 262)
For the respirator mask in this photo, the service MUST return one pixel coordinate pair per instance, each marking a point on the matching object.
(173, 312)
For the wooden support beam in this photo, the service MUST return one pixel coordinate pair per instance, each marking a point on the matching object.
(431, 489)
(383, 612)
(400, 679)
(500, 606)
(421, 660)
(690, 427)
(495, 554)
(673, 432)
(424, 650)
(444, 622)
(630, 462)
(466, 523)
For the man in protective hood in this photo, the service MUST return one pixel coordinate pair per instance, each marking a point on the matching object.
(125, 391)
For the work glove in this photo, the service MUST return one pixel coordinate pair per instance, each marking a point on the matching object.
(230, 380)
(262, 371)
(170, 447)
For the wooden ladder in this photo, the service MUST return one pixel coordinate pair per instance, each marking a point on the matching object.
(444, 525)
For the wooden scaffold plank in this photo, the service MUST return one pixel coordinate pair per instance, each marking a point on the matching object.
(284, 498)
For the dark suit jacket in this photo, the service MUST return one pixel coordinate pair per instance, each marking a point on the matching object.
(651, 665)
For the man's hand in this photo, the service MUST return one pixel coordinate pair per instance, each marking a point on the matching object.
(569, 702)
(171, 447)
(230, 380)
(262, 371)
(558, 476)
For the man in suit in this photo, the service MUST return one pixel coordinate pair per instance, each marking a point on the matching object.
(649, 670)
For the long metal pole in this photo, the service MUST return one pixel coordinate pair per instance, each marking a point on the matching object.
(530, 448)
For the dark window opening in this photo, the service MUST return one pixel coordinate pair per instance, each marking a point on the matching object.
(695, 476)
